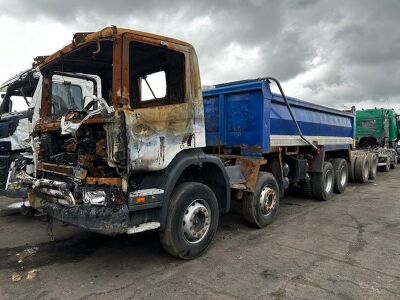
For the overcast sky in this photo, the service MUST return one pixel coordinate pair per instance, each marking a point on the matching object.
(338, 53)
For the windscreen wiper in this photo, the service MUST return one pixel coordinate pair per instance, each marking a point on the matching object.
(23, 95)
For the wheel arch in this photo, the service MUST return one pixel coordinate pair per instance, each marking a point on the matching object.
(191, 165)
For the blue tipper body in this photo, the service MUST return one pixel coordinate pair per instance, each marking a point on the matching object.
(248, 115)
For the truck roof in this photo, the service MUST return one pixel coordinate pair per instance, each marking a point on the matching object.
(82, 38)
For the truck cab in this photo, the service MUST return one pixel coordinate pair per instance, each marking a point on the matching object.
(377, 130)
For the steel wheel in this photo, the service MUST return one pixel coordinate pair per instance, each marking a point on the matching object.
(192, 220)
(268, 200)
(196, 221)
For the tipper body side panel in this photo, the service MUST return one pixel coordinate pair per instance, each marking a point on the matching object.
(249, 116)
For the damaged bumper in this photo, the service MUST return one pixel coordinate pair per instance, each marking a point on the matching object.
(56, 190)
(104, 220)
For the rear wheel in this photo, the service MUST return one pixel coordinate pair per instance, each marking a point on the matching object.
(373, 165)
(323, 183)
(361, 169)
(341, 174)
(192, 220)
(393, 165)
(260, 207)
(306, 189)
(351, 168)
(386, 167)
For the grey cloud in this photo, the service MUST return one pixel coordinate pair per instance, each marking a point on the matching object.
(355, 43)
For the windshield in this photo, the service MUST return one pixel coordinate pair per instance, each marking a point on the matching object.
(66, 96)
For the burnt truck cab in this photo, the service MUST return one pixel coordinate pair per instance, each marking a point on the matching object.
(111, 166)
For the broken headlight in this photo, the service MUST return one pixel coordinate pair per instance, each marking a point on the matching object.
(94, 197)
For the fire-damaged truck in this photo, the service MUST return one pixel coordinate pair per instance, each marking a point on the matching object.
(149, 154)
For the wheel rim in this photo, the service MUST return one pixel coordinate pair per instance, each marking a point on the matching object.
(343, 178)
(374, 167)
(366, 172)
(268, 200)
(196, 221)
(328, 182)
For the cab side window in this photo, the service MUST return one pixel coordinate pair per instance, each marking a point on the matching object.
(157, 76)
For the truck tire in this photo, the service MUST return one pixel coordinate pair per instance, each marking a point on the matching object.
(341, 175)
(302, 189)
(394, 164)
(373, 165)
(351, 168)
(306, 189)
(385, 168)
(361, 169)
(192, 220)
(260, 207)
(323, 183)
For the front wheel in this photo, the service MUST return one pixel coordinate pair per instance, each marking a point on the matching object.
(259, 208)
(192, 220)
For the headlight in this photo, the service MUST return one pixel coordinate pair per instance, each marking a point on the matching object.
(94, 197)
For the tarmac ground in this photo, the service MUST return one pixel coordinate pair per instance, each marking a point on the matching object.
(346, 248)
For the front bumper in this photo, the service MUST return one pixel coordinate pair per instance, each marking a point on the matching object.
(105, 220)
(56, 190)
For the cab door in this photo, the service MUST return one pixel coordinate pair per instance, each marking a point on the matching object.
(160, 117)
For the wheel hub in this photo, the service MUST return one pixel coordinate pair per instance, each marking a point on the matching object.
(196, 221)
(328, 182)
(268, 200)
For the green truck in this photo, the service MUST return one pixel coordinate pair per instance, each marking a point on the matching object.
(378, 131)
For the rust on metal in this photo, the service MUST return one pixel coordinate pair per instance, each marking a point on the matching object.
(110, 181)
(101, 148)
(38, 60)
(79, 37)
(48, 124)
(56, 169)
(250, 166)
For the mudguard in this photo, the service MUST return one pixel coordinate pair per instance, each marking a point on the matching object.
(167, 179)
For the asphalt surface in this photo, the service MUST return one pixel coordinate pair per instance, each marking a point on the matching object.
(346, 248)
